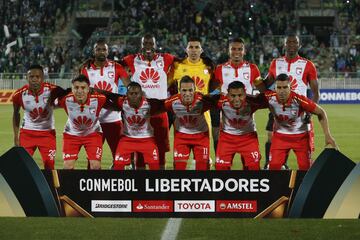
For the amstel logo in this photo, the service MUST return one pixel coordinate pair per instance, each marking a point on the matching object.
(149, 74)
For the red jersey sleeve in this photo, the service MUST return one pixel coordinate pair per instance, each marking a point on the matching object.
(17, 99)
(168, 61)
(272, 69)
(305, 103)
(156, 106)
(255, 73)
(311, 73)
(120, 102)
(169, 102)
(120, 73)
(221, 101)
(129, 61)
(61, 102)
(218, 74)
(101, 101)
(84, 72)
(257, 102)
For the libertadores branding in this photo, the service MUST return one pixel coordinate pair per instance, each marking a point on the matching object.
(194, 206)
(153, 206)
(236, 206)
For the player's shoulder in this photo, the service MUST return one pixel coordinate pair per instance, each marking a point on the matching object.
(21, 90)
(299, 97)
(223, 99)
(49, 85)
(269, 94)
(173, 98)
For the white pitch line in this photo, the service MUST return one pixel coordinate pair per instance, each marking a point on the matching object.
(172, 229)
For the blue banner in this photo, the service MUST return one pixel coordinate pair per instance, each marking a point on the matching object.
(339, 96)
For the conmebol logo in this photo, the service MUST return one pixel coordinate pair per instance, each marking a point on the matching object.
(194, 206)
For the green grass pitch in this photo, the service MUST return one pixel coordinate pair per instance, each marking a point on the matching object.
(344, 124)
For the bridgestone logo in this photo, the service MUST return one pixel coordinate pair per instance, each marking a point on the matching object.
(111, 206)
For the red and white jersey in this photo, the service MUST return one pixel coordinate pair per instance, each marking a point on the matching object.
(246, 73)
(152, 76)
(300, 70)
(239, 121)
(188, 119)
(136, 121)
(106, 78)
(37, 115)
(83, 119)
(289, 116)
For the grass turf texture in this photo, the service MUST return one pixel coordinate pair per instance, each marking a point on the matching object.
(344, 125)
(194, 229)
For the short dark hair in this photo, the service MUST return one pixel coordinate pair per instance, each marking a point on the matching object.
(236, 85)
(100, 41)
(186, 79)
(282, 77)
(133, 85)
(148, 35)
(194, 39)
(36, 66)
(81, 78)
(237, 40)
(292, 34)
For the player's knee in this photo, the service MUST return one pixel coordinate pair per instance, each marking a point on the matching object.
(95, 165)
(69, 164)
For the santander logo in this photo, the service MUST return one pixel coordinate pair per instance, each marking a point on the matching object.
(149, 74)
(153, 206)
(82, 122)
(36, 112)
(199, 83)
(136, 120)
(103, 85)
(237, 123)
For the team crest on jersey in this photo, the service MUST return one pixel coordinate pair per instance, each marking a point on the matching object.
(246, 76)
(111, 74)
(149, 74)
(92, 110)
(159, 64)
(298, 71)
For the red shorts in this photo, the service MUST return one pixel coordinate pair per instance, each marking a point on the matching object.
(145, 146)
(247, 145)
(160, 123)
(44, 140)
(281, 145)
(112, 133)
(92, 143)
(199, 143)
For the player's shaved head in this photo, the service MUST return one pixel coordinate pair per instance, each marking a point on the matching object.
(36, 66)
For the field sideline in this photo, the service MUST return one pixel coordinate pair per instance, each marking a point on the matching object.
(344, 124)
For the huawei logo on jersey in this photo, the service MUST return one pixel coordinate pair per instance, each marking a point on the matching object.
(237, 123)
(38, 112)
(149, 74)
(293, 83)
(82, 122)
(188, 121)
(136, 120)
(199, 83)
(103, 85)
